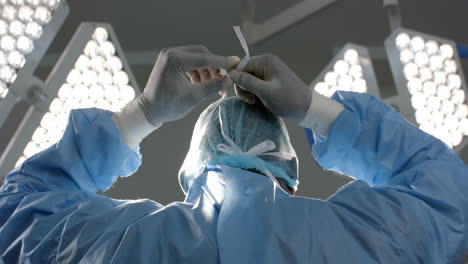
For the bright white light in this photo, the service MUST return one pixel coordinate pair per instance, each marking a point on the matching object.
(34, 3)
(8, 12)
(418, 100)
(433, 102)
(345, 83)
(3, 90)
(3, 27)
(417, 44)
(24, 45)
(436, 63)
(355, 71)
(458, 96)
(440, 78)
(33, 30)
(450, 66)
(114, 64)
(322, 88)
(98, 64)
(82, 64)
(462, 111)
(425, 74)
(7, 43)
(406, 55)
(17, 28)
(74, 77)
(16, 59)
(351, 56)
(447, 107)
(436, 87)
(421, 59)
(121, 78)
(443, 92)
(42, 15)
(3, 58)
(331, 78)
(91, 49)
(341, 67)
(346, 74)
(52, 4)
(360, 86)
(402, 40)
(26, 13)
(429, 88)
(89, 84)
(7, 74)
(410, 71)
(100, 35)
(454, 81)
(415, 85)
(446, 51)
(107, 49)
(432, 47)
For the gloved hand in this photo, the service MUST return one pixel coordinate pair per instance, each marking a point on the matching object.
(279, 89)
(181, 78)
(284, 94)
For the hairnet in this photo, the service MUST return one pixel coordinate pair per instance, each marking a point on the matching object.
(247, 126)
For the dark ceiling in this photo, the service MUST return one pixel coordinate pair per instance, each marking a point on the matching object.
(307, 47)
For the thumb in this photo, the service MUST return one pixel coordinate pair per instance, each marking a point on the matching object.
(248, 82)
(207, 88)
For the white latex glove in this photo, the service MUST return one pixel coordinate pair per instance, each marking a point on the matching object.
(175, 85)
(181, 78)
(284, 93)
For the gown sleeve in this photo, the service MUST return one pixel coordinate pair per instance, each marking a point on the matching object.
(89, 157)
(48, 205)
(411, 189)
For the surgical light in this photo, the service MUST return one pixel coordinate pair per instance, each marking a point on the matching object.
(20, 25)
(350, 70)
(92, 72)
(27, 28)
(430, 84)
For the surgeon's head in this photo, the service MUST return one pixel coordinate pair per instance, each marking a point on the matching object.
(226, 134)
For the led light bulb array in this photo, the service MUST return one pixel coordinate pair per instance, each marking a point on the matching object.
(21, 23)
(97, 80)
(435, 84)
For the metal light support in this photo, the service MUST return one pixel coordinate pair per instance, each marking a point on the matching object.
(257, 32)
(350, 70)
(430, 84)
(57, 80)
(26, 87)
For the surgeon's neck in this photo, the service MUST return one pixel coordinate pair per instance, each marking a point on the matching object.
(281, 181)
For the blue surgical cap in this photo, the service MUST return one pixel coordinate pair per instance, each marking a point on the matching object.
(230, 123)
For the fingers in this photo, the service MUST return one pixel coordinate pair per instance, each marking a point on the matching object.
(260, 65)
(205, 89)
(248, 82)
(194, 48)
(194, 76)
(203, 75)
(190, 61)
(246, 96)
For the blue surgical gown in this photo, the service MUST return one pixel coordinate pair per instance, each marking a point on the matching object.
(409, 203)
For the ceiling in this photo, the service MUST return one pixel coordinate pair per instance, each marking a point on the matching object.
(148, 26)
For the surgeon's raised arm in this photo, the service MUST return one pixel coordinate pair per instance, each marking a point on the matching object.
(415, 185)
(99, 146)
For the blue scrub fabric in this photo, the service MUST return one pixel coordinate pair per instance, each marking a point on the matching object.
(407, 205)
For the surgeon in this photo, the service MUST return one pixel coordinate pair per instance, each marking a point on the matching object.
(407, 205)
